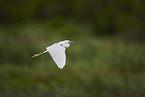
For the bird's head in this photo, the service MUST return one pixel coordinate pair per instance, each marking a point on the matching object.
(65, 43)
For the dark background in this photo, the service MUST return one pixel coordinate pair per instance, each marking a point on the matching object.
(107, 60)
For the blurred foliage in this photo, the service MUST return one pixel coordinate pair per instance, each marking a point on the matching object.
(104, 67)
(123, 17)
(97, 65)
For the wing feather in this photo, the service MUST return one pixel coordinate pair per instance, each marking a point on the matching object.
(58, 55)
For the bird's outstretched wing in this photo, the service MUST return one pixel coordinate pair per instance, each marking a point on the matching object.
(58, 55)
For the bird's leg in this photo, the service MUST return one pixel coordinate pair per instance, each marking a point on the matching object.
(35, 55)
(38, 54)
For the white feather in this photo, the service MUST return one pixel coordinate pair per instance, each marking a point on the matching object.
(57, 53)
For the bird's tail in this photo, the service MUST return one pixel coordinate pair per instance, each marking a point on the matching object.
(38, 54)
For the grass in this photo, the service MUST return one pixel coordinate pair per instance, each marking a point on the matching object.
(95, 67)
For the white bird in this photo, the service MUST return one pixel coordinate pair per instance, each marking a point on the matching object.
(57, 52)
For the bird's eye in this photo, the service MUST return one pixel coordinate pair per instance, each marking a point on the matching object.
(60, 44)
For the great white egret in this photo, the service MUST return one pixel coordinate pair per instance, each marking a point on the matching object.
(57, 52)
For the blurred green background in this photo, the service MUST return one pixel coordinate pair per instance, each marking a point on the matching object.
(107, 60)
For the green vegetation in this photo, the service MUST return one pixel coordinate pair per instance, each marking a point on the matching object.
(107, 60)
(122, 17)
(96, 67)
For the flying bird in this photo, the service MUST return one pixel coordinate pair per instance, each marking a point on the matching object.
(57, 52)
